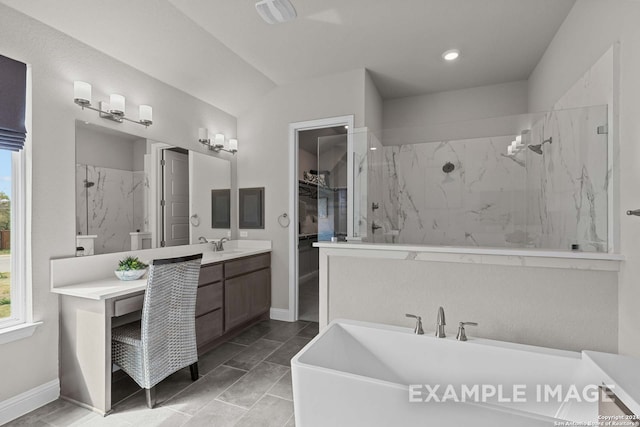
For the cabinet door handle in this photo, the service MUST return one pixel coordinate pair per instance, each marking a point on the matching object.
(635, 212)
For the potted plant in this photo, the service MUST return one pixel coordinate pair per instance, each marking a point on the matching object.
(131, 268)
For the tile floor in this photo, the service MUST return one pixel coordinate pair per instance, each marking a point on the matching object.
(309, 297)
(244, 382)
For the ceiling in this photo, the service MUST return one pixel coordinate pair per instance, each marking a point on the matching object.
(223, 53)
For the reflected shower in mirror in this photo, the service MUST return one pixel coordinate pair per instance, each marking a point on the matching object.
(120, 202)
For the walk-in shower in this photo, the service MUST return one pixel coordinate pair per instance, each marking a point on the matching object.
(493, 197)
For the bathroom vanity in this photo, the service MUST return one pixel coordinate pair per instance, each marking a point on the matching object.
(234, 290)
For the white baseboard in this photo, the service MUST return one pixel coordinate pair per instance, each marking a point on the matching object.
(28, 401)
(280, 314)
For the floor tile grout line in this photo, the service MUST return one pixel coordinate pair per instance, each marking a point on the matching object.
(219, 394)
(278, 380)
(237, 406)
(260, 398)
(279, 397)
(290, 418)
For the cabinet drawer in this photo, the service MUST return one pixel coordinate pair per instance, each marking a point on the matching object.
(246, 265)
(208, 327)
(128, 305)
(209, 298)
(210, 274)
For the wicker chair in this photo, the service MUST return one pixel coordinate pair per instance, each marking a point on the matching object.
(164, 340)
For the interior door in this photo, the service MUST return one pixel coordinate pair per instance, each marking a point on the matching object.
(175, 198)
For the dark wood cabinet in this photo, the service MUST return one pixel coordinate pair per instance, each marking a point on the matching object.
(209, 302)
(231, 294)
(259, 291)
(247, 289)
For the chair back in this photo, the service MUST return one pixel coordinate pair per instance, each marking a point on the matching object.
(168, 331)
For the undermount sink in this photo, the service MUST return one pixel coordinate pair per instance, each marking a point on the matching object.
(220, 254)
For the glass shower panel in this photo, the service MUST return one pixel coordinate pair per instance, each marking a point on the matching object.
(526, 181)
(360, 169)
(568, 180)
(332, 187)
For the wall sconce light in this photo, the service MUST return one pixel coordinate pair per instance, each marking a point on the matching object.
(114, 110)
(217, 144)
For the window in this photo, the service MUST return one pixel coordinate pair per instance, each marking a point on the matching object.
(14, 92)
(12, 302)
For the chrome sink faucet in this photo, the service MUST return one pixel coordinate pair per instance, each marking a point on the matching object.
(440, 324)
(219, 245)
(202, 239)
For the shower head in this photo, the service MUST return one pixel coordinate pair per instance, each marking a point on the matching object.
(536, 148)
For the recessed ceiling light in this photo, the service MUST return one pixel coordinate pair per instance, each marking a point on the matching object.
(451, 55)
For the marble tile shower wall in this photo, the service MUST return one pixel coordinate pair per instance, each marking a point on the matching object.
(491, 199)
(473, 205)
(110, 204)
(568, 184)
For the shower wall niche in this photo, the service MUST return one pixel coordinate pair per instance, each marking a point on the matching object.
(471, 191)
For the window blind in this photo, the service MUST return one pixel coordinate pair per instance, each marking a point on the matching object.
(13, 95)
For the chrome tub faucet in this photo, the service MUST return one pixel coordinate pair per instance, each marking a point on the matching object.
(440, 324)
(462, 335)
(418, 329)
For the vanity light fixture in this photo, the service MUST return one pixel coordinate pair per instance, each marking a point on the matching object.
(451, 55)
(114, 110)
(217, 144)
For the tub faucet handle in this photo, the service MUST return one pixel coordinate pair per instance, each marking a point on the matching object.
(418, 329)
(462, 334)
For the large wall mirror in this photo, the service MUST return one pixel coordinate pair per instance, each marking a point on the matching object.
(135, 193)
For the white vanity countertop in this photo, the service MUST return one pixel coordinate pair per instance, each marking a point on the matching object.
(93, 277)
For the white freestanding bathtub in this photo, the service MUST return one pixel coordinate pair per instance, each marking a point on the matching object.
(363, 374)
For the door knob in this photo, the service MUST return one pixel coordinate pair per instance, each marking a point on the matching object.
(635, 212)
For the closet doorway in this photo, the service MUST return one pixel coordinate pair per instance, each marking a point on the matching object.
(320, 206)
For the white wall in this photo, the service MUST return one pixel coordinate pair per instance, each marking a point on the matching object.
(56, 61)
(306, 162)
(264, 133)
(373, 104)
(102, 149)
(550, 307)
(456, 105)
(590, 29)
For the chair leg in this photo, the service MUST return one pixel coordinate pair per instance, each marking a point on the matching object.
(194, 371)
(151, 396)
